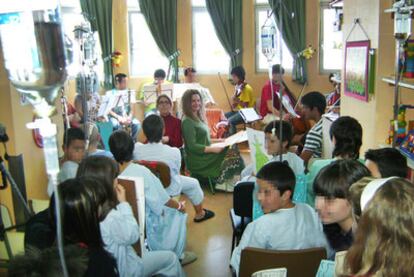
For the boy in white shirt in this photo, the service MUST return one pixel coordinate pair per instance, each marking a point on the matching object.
(285, 225)
(155, 150)
(273, 148)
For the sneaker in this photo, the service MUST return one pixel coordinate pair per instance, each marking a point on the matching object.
(188, 257)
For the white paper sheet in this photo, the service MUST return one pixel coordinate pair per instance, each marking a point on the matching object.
(250, 115)
(234, 139)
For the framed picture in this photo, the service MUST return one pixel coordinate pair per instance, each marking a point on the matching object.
(356, 69)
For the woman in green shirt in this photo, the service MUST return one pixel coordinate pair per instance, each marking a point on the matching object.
(202, 159)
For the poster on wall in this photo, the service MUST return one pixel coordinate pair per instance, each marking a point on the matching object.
(356, 69)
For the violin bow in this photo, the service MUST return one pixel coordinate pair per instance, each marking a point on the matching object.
(300, 95)
(225, 91)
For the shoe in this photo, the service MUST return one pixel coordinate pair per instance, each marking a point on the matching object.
(188, 257)
(207, 215)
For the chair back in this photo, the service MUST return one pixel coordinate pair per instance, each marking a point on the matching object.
(298, 263)
(214, 116)
(243, 199)
(105, 131)
(159, 169)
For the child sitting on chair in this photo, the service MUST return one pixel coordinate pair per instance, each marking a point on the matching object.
(285, 225)
(272, 142)
(74, 142)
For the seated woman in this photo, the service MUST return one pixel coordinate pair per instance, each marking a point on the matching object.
(331, 188)
(119, 227)
(285, 225)
(165, 218)
(202, 159)
(346, 135)
(384, 238)
(80, 224)
(172, 126)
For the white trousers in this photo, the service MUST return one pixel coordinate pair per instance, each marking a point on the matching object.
(191, 188)
(162, 263)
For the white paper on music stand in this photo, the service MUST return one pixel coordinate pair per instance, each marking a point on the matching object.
(151, 94)
(108, 103)
(234, 139)
(258, 153)
(286, 104)
(139, 190)
(180, 89)
(249, 115)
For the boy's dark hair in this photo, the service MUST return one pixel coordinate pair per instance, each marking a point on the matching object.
(153, 127)
(160, 73)
(119, 77)
(72, 134)
(335, 179)
(239, 72)
(188, 70)
(105, 170)
(280, 175)
(348, 137)
(121, 146)
(36, 262)
(287, 130)
(315, 99)
(278, 69)
(390, 162)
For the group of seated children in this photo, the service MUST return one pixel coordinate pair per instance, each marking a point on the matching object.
(341, 189)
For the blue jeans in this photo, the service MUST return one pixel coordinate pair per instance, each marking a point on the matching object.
(135, 126)
(234, 118)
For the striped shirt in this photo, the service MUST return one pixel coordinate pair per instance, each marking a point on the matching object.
(314, 140)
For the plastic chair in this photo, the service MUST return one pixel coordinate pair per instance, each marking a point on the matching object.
(241, 214)
(298, 263)
(38, 205)
(105, 130)
(159, 169)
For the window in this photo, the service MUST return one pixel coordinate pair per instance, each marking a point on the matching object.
(209, 56)
(262, 11)
(330, 54)
(72, 17)
(145, 56)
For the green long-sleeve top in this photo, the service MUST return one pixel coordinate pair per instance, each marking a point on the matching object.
(196, 137)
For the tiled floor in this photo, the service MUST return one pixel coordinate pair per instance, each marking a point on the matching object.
(211, 240)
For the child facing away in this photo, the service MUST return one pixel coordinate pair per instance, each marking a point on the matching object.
(272, 144)
(118, 225)
(285, 225)
(386, 162)
(74, 143)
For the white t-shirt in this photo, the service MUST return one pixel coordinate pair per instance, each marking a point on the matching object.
(162, 153)
(285, 229)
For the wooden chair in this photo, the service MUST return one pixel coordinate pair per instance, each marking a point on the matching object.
(159, 169)
(241, 213)
(131, 197)
(299, 263)
(214, 116)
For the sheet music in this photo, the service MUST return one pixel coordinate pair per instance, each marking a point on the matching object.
(151, 94)
(286, 104)
(179, 90)
(250, 115)
(234, 139)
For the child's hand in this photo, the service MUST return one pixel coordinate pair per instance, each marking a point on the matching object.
(120, 193)
(181, 208)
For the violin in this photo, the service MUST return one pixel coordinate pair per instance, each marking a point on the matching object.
(238, 90)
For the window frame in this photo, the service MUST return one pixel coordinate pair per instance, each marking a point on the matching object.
(323, 5)
(200, 71)
(258, 7)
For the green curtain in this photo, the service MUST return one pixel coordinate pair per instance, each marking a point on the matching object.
(99, 13)
(228, 23)
(161, 17)
(293, 30)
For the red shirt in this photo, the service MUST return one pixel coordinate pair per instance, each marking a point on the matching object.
(267, 95)
(173, 131)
